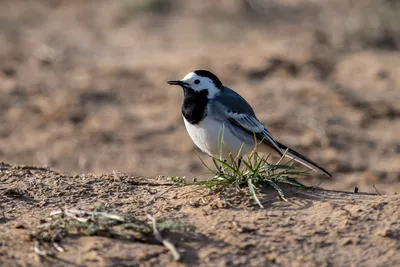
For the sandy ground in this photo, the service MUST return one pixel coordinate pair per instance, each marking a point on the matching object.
(314, 228)
(83, 90)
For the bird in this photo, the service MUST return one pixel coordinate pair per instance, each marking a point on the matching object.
(221, 122)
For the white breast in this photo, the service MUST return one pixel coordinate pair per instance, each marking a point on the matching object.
(207, 136)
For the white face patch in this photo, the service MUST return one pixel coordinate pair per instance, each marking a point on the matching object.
(199, 83)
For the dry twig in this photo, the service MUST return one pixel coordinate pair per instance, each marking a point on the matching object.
(376, 189)
(40, 252)
(166, 243)
(72, 212)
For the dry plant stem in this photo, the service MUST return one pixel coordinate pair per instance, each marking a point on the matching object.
(38, 251)
(166, 243)
(71, 213)
(283, 156)
(58, 247)
(252, 190)
(75, 217)
(376, 189)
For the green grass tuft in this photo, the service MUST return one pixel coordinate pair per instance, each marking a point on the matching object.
(253, 172)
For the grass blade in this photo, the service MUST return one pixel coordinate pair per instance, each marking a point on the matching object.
(278, 189)
(226, 165)
(248, 166)
(218, 167)
(202, 161)
(292, 181)
(253, 192)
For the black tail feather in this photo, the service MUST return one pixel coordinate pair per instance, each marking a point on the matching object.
(302, 159)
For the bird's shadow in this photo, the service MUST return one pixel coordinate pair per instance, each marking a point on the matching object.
(299, 198)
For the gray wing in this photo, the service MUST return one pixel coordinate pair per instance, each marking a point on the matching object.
(231, 107)
(235, 102)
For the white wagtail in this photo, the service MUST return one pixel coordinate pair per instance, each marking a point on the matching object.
(211, 109)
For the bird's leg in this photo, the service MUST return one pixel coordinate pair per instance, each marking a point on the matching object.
(239, 161)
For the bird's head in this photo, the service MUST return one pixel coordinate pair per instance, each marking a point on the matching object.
(200, 80)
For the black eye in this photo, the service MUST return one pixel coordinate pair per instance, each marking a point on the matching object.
(196, 81)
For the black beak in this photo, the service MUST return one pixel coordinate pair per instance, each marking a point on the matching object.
(180, 83)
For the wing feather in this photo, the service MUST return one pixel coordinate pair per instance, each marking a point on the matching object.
(252, 126)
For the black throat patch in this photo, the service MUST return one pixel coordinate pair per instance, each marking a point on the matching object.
(194, 107)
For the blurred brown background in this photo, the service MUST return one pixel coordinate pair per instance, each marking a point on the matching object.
(83, 83)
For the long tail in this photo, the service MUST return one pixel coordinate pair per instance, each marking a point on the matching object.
(302, 159)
